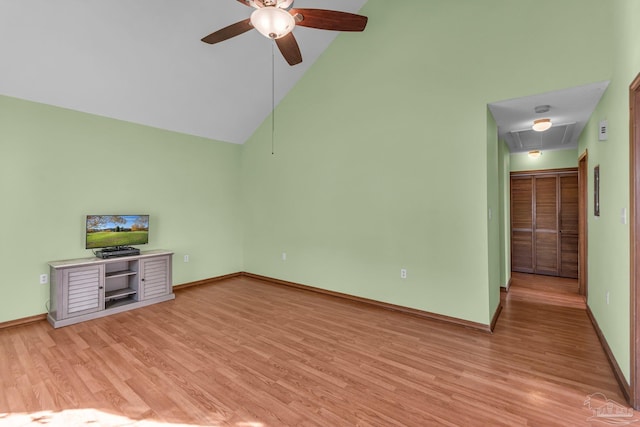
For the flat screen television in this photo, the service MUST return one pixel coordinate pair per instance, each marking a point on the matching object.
(106, 231)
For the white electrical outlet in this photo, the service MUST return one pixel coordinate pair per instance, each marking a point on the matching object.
(186, 258)
(607, 297)
(44, 279)
(403, 273)
(284, 256)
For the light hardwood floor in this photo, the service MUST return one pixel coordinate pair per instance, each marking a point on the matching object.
(248, 354)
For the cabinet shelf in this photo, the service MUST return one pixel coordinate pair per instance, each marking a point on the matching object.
(112, 274)
(118, 293)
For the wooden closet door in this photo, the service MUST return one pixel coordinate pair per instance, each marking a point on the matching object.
(569, 226)
(546, 225)
(522, 224)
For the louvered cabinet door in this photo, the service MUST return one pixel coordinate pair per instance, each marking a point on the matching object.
(546, 225)
(522, 224)
(83, 290)
(155, 280)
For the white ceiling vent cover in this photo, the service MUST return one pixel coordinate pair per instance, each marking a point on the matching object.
(558, 136)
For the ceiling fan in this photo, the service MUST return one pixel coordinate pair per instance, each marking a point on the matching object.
(276, 19)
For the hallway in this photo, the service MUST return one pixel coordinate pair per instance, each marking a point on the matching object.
(548, 290)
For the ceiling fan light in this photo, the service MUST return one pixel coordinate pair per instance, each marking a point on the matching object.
(541, 125)
(535, 154)
(272, 22)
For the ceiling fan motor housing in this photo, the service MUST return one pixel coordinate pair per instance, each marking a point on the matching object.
(282, 4)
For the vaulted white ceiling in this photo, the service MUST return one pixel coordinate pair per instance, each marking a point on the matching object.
(142, 61)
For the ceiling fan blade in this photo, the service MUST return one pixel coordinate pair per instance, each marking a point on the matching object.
(329, 19)
(289, 48)
(228, 32)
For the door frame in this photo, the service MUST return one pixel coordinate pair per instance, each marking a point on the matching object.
(634, 207)
(583, 242)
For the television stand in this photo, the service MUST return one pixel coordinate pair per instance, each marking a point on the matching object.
(88, 288)
(117, 251)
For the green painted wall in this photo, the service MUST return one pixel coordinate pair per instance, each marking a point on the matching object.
(58, 165)
(381, 149)
(558, 159)
(608, 263)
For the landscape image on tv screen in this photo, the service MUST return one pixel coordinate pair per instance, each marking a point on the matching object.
(116, 230)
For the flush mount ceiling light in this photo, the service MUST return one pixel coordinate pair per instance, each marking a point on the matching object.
(535, 154)
(541, 125)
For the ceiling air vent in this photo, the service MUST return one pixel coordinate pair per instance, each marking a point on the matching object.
(557, 137)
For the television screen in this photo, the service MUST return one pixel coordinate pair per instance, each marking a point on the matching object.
(105, 231)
